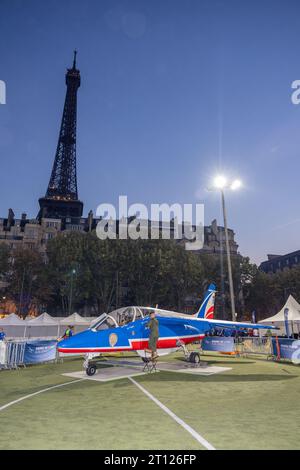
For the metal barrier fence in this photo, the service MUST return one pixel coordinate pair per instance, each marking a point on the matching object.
(15, 352)
(19, 353)
(254, 345)
(238, 345)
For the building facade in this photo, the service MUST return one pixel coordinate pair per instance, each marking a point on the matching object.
(35, 233)
(277, 263)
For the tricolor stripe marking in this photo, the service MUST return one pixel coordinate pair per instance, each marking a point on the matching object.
(136, 345)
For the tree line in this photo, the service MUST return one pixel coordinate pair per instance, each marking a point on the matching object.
(91, 276)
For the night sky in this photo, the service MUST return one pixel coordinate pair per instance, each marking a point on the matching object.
(172, 92)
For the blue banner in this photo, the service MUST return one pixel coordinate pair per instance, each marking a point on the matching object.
(39, 351)
(218, 343)
(288, 348)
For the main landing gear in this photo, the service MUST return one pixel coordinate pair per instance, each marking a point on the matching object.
(90, 368)
(192, 357)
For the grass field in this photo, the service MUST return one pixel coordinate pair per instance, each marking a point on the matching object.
(256, 405)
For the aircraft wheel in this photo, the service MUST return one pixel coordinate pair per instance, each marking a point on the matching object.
(197, 358)
(91, 370)
(194, 358)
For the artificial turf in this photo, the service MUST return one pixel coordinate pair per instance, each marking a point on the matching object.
(256, 405)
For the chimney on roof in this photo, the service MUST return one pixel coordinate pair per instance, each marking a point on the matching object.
(90, 220)
(10, 218)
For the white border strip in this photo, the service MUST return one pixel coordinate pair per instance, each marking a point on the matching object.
(97, 377)
(188, 428)
(37, 393)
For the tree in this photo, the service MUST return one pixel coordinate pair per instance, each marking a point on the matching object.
(4, 259)
(151, 272)
(28, 281)
(103, 274)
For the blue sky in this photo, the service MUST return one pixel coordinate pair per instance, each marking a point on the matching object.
(173, 91)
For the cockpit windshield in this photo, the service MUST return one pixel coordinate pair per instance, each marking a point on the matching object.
(105, 323)
(128, 315)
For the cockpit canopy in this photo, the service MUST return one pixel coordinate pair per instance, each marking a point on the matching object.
(120, 317)
(123, 316)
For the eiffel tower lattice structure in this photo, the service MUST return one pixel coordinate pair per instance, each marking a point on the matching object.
(61, 199)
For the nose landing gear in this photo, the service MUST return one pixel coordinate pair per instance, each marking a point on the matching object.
(90, 369)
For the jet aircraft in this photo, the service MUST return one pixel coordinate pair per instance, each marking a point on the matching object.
(125, 329)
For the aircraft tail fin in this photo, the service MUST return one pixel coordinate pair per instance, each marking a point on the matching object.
(206, 309)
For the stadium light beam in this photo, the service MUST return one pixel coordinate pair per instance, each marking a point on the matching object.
(236, 184)
(220, 183)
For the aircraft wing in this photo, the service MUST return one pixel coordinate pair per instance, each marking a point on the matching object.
(187, 327)
(166, 313)
(237, 325)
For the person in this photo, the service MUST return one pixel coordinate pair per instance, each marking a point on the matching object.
(153, 336)
(69, 332)
(2, 334)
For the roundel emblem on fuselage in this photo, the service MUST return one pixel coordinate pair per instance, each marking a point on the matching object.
(113, 339)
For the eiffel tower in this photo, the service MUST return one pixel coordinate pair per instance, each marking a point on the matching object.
(61, 199)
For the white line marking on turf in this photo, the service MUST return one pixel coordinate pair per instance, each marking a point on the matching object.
(37, 393)
(188, 428)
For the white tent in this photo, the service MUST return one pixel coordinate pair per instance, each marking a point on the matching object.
(43, 326)
(74, 319)
(293, 315)
(13, 326)
(77, 321)
(90, 319)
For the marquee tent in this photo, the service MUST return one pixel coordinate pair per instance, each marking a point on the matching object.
(42, 326)
(76, 320)
(90, 320)
(13, 326)
(293, 315)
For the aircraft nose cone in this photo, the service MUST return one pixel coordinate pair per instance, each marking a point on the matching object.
(62, 344)
(65, 343)
(77, 341)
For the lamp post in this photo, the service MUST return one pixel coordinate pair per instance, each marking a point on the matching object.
(220, 183)
(21, 294)
(71, 291)
(117, 290)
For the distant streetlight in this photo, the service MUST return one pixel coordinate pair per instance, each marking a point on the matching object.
(221, 183)
(117, 290)
(71, 291)
(21, 293)
(236, 184)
